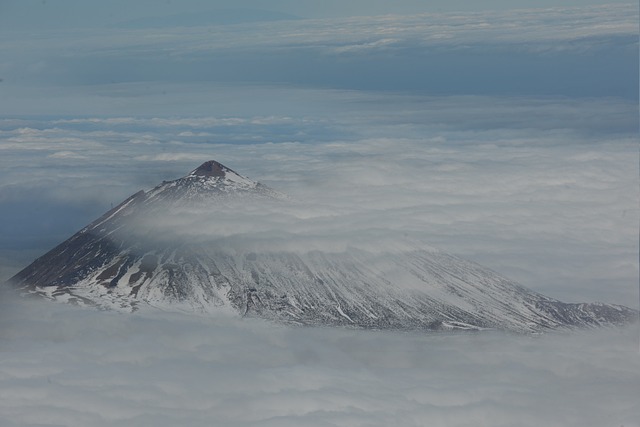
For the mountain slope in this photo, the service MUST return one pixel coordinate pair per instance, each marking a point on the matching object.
(135, 256)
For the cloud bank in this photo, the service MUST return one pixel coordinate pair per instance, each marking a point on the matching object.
(63, 365)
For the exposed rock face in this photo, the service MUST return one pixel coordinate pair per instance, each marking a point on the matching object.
(212, 169)
(115, 262)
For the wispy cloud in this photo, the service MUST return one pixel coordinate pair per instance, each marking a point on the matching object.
(514, 52)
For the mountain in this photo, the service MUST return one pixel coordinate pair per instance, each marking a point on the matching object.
(175, 247)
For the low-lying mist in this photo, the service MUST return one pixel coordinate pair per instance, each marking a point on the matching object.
(63, 365)
(248, 224)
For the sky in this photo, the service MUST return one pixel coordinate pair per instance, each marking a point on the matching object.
(36, 14)
(503, 133)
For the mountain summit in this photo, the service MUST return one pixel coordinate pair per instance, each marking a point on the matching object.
(206, 183)
(211, 168)
(191, 244)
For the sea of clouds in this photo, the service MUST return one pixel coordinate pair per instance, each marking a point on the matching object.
(68, 366)
(508, 138)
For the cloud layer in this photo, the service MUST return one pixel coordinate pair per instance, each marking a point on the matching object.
(530, 52)
(541, 190)
(67, 366)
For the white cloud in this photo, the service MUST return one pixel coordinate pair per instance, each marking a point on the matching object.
(66, 155)
(170, 157)
(66, 366)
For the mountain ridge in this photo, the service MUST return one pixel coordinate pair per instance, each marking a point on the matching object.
(125, 261)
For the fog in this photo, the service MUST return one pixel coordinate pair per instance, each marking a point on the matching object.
(63, 365)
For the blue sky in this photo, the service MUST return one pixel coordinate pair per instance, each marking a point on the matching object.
(37, 14)
(588, 52)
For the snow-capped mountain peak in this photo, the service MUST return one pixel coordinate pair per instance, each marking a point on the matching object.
(159, 248)
(211, 180)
